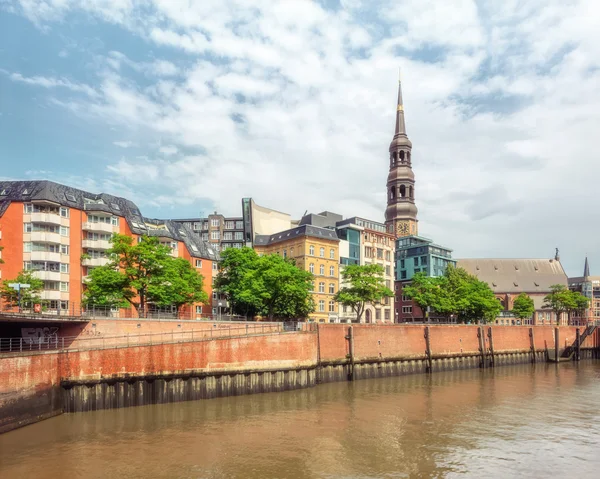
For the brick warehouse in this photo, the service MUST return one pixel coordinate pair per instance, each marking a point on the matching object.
(62, 233)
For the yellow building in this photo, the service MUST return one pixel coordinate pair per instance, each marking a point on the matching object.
(316, 250)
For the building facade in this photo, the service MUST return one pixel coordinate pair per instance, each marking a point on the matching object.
(315, 250)
(219, 231)
(62, 233)
(589, 286)
(364, 241)
(401, 211)
(510, 277)
(415, 254)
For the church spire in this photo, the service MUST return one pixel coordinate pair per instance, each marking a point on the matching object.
(586, 268)
(400, 125)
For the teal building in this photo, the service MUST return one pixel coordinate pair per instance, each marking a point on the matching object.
(415, 254)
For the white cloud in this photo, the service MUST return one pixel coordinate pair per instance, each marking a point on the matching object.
(123, 144)
(50, 82)
(293, 104)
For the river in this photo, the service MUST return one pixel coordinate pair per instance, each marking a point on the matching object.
(516, 421)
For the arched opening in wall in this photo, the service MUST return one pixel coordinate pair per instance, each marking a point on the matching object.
(394, 158)
(410, 192)
(368, 316)
(408, 156)
(392, 193)
(402, 157)
(402, 191)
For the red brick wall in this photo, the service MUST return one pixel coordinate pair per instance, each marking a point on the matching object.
(11, 226)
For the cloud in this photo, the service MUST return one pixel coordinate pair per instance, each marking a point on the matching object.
(50, 82)
(293, 103)
(123, 144)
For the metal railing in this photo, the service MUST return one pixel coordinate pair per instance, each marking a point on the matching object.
(80, 311)
(66, 343)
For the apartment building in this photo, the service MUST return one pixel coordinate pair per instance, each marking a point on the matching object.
(315, 250)
(363, 242)
(62, 233)
(219, 231)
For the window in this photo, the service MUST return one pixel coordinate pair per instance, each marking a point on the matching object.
(28, 208)
(386, 314)
(322, 252)
(215, 266)
(378, 314)
(205, 225)
(214, 222)
(64, 287)
(405, 298)
(311, 266)
(239, 235)
(402, 264)
(322, 269)
(215, 235)
(416, 261)
(321, 287)
(204, 236)
(114, 220)
(387, 256)
(332, 271)
(214, 295)
(332, 254)
(402, 274)
(407, 309)
(387, 270)
(27, 247)
(423, 260)
(321, 305)
(332, 306)
(27, 227)
(229, 225)
(64, 249)
(64, 231)
(214, 311)
(64, 267)
(379, 253)
(239, 225)
(70, 197)
(198, 263)
(292, 252)
(198, 309)
(64, 212)
(228, 235)
(285, 253)
(387, 283)
(311, 250)
(331, 288)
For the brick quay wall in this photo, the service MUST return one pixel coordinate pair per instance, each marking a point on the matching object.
(37, 385)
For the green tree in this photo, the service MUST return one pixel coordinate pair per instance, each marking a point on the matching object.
(362, 284)
(523, 307)
(579, 302)
(143, 272)
(559, 300)
(425, 291)
(1, 260)
(179, 284)
(29, 295)
(268, 285)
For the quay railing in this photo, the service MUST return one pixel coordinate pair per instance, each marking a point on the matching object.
(67, 343)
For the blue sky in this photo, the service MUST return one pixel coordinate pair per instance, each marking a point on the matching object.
(186, 107)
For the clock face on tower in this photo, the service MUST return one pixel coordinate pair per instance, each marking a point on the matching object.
(402, 228)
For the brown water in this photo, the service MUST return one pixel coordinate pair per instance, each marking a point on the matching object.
(518, 421)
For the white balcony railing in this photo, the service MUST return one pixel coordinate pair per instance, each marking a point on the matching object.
(95, 261)
(49, 218)
(45, 256)
(98, 227)
(49, 295)
(96, 244)
(44, 237)
(48, 275)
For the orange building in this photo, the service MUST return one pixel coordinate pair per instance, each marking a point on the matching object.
(62, 233)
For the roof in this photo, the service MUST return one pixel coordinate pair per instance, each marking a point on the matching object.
(304, 230)
(416, 241)
(44, 190)
(516, 275)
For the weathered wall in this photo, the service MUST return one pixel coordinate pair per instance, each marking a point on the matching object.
(29, 389)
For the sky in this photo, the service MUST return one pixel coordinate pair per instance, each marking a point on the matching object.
(187, 106)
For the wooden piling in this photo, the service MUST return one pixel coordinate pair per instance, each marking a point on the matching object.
(556, 344)
(578, 345)
(532, 345)
(492, 356)
(428, 350)
(481, 337)
(350, 338)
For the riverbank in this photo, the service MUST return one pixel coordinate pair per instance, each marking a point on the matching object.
(37, 385)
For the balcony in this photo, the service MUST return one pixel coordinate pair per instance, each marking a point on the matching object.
(47, 218)
(50, 295)
(96, 244)
(44, 237)
(47, 275)
(98, 227)
(45, 256)
(95, 262)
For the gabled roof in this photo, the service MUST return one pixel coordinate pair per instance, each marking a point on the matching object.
(304, 230)
(516, 275)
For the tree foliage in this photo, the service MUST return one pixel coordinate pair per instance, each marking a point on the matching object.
(268, 285)
(29, 295)
(455, 294)
(562, 300)
(362, 284)
(143, 272)
(523, 307)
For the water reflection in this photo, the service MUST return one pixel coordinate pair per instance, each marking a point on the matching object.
(530, 421)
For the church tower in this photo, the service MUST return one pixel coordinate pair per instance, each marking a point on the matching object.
(401, 211)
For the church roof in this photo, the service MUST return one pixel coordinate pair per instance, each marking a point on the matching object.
(516, 275)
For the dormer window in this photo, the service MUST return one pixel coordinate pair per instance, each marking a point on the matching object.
(70, 197)
(4, 192)
(25, 192)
